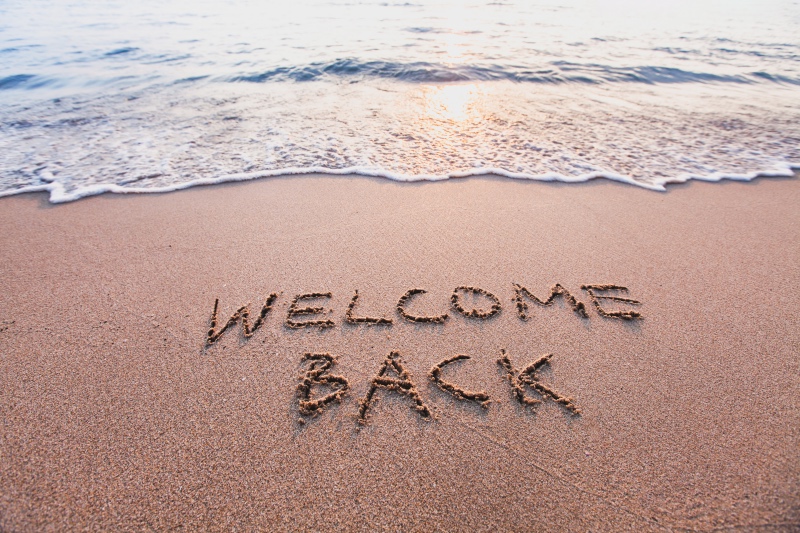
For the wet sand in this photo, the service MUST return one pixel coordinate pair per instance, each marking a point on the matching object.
(118, 414)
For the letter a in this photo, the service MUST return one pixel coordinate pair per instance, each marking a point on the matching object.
(402, 384)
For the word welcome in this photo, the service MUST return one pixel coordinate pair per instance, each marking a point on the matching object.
(392, 376)
(301, 315)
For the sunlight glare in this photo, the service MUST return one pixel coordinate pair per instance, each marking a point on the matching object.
(450, 102)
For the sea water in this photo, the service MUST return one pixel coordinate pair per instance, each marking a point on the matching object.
(158, 95)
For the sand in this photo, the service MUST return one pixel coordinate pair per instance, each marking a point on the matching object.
(117, 415)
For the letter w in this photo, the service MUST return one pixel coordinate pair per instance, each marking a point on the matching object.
(242, 313)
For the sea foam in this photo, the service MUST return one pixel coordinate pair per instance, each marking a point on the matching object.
(153, 96)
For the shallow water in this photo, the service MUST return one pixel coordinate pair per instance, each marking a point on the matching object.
(98, 96)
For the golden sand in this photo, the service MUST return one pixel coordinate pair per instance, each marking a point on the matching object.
(654, 387)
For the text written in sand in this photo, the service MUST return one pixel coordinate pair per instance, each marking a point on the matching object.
(308, 310)
(302, 314)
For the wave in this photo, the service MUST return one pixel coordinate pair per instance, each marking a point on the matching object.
(58, 193)
(121, 51)
(552, 72)
(28, 81)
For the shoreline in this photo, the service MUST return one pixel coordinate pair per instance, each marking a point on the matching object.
(57, 194)
(119, 413)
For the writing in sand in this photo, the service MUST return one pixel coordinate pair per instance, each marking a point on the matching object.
(306, 311)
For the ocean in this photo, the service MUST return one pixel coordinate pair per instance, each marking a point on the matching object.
(153, 96)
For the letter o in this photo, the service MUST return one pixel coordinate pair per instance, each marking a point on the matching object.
(455, 299)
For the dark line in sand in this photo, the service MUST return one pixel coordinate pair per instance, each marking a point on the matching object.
(748, 526)
(556, 476)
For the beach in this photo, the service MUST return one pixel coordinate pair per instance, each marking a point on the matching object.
(123, 407)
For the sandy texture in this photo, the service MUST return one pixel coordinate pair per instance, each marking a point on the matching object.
(115, 415)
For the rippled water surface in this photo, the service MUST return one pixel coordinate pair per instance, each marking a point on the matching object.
(153, 95)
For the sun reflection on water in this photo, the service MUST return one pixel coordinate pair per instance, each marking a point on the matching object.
(451, 102)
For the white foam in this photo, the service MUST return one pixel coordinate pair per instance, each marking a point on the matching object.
(59, 194)
(174, 138)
